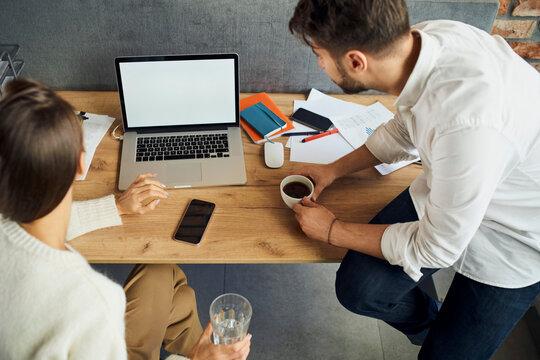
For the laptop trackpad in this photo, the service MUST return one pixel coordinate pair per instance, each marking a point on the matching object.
(185, 174)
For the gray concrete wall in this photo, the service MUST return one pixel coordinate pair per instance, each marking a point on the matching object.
(71, 44)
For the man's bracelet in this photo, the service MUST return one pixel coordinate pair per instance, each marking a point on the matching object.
(330, 230)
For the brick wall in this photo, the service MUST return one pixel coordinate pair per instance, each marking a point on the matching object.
(518, 22)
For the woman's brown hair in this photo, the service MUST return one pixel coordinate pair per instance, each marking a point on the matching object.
(40, 142)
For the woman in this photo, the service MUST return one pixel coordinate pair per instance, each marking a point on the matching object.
(52, 304)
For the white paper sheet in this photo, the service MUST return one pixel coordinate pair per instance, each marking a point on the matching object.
(297, 104)
(330, 148)
(386, 169)
(328, 106)
(297, 128)
(95, 127)
(321, 151)
(356, 128)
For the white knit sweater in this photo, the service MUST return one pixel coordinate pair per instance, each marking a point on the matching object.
(53, 305)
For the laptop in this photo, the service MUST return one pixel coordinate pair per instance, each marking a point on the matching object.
(181, 120)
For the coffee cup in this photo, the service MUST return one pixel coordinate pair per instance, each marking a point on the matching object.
(294, 187)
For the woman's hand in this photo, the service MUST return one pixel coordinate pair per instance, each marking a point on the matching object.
(204, 349)
(141, 196)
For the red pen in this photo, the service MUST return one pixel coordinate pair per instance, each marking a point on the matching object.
(319, 135)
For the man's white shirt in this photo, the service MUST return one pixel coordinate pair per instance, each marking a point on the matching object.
(471, 109)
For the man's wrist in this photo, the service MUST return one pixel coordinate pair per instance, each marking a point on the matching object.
(334, 220)
(335, 234)
(335, 170)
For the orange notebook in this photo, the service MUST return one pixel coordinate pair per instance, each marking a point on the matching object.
(265, 99)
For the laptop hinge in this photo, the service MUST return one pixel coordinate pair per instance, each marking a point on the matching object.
(186, 129)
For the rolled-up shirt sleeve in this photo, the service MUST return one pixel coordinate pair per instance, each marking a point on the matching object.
(466, 167)
(391, 143)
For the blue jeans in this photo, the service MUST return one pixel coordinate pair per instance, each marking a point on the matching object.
(471, 324)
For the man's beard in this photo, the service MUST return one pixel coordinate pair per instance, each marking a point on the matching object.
(347, 84)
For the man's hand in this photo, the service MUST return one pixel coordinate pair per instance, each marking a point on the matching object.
(204, 349)
(314, 219)
(141, 196)
(322, 176)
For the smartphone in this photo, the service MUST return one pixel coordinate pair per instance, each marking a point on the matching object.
(308, 118)
(194, 222)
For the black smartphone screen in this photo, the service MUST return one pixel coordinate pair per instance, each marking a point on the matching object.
(311, 119)
(194, 221)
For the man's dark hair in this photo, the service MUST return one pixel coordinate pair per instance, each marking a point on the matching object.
(40, 142)
(342, 25)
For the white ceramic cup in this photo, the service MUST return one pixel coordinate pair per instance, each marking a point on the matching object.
(290, 201)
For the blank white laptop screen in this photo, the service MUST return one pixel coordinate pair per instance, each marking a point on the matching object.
(179, 92)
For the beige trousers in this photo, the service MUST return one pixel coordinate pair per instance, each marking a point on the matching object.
(160, 309)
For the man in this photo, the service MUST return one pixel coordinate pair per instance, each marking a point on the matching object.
(52, 304)
(469, 105)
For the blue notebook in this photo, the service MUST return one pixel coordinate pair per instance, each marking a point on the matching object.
(262, 119)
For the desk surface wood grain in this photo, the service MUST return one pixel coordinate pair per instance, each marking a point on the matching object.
(251, 224)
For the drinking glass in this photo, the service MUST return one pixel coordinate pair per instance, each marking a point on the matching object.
(230, 315)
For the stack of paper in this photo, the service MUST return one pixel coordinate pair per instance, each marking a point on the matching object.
(95, 127)
(354, 122)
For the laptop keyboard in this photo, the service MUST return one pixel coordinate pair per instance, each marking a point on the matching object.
(158, 148)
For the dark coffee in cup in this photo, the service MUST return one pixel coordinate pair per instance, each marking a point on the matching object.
(296, 189)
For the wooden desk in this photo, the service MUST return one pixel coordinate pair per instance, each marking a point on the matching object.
(251, 223)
